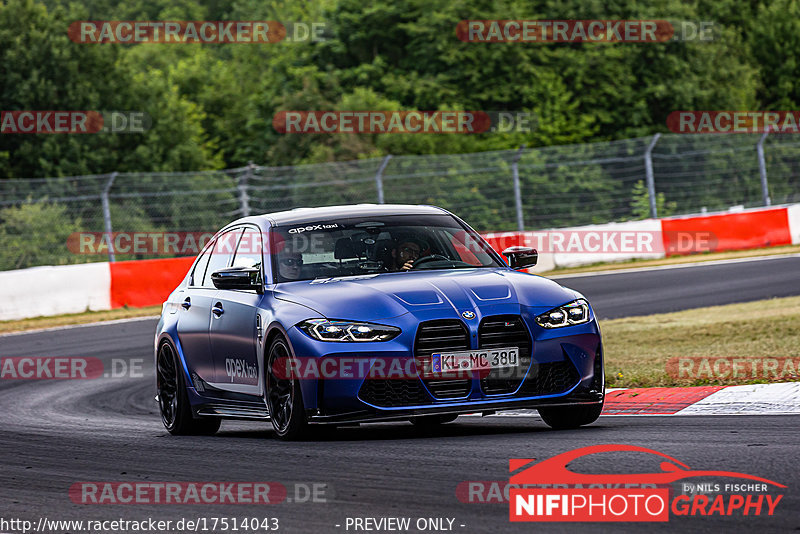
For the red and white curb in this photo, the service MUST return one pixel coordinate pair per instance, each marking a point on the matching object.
(754, 399)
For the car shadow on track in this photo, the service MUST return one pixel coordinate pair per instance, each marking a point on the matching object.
(406, 431)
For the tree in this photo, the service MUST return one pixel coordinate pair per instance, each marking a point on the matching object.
(640, 205)
(35, 234)
(43, 70)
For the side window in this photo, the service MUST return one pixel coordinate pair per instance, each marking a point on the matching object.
(200, 267)
(221, 254)
(248, 253)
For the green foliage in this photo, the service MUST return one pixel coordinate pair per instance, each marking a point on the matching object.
(36, 234)
(773, 42)
(640, 205)
(212, 105)
(43, 70)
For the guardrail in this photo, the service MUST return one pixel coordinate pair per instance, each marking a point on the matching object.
(56, 290)
(505, 190)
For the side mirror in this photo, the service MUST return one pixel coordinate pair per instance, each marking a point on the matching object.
(238, 278)
(521, 257)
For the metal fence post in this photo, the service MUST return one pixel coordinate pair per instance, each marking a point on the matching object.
(648, 169)
(379, 178)
(244, 198)
(517, 189)
(762, 169)
(107, 214)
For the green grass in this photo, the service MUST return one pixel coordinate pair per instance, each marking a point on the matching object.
(76, 318)
(637, 348)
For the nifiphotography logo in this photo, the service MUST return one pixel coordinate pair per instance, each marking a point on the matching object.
(548, 491)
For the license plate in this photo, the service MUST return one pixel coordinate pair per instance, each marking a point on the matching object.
(475, 360)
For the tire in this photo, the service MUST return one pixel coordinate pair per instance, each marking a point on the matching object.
(432, 421)
(173, 401)
(284, 398)
(567, 417)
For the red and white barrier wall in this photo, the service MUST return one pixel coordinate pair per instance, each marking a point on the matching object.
(742, 230)
(657, 238)
(44, 291)
(793, 212)
(145, 282)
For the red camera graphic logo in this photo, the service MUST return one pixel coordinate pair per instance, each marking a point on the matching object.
(578, 497)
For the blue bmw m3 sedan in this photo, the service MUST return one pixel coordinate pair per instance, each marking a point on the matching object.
(364, 313)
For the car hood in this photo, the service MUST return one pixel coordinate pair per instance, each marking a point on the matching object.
(374, 297)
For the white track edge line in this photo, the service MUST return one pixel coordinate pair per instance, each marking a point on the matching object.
(554, 276)
(85, 325)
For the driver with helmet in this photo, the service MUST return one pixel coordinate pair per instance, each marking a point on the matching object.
(405, 253)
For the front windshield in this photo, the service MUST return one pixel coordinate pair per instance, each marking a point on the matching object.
(372, 245)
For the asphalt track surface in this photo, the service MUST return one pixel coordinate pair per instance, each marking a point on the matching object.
(674, 288)
(57, 433)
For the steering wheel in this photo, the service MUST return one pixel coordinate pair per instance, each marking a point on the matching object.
(429, 257)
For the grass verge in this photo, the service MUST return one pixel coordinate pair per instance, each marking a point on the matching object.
(637, 349)
(36, 323)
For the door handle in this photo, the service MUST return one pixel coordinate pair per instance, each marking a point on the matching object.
(186, 304)
(217, 309)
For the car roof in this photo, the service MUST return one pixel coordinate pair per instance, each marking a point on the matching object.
(310, 215)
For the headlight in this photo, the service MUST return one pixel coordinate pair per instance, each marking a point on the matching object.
(333, 330)
(576, 312)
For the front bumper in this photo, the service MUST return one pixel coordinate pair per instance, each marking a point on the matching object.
(482, 408)
(564, 367)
